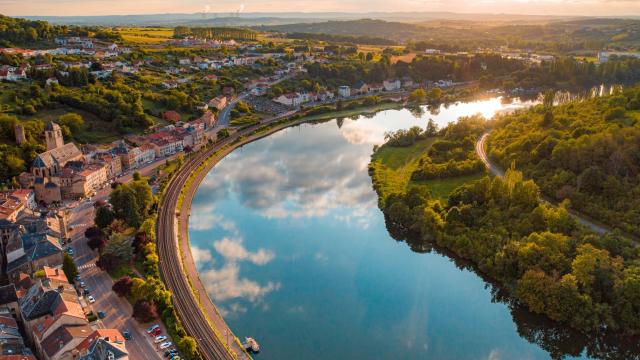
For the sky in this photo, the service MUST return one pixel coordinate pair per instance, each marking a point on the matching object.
(125, 7)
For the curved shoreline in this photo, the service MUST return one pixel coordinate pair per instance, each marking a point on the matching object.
(200, 316)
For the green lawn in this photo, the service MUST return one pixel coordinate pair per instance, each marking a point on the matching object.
(392, 168)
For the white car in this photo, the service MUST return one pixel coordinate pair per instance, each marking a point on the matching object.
(166, 345)
(91, 299)
(160, 338)
(82, 284)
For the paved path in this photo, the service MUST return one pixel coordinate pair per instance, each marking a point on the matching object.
(495, 170)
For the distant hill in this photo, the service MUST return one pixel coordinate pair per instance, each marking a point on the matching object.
(272, 18)
(364, 27)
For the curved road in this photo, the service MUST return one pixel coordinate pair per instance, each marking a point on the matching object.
(495, 170)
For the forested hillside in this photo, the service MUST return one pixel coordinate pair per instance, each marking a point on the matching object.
(587, 152)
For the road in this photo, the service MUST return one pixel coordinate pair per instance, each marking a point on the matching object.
(495, 170)
(118, 309)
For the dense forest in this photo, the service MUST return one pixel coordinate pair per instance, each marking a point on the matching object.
(587, 152)
(537, 252)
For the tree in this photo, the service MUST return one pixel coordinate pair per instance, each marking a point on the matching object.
(119, 247)
(434, 94)
(224, 133)
(123, 286)
(139, 289)
(97, 242)
(125, 205)
(104, 217)
(144, 311)
(418, 95)
(69, 267)
(432, 128)
(74, 122)
(137, 176)
(188, 347)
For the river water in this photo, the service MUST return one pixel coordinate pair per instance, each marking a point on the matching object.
(293, 250)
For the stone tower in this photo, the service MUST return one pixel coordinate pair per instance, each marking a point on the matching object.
(53, 135)
(19, 132)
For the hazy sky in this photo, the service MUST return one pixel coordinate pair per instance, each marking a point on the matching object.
(120, 7)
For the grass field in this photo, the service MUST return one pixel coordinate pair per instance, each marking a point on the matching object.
(393, 166)
(145, 36)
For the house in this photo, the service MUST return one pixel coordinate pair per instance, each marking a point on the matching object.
(50, 81)
(10, 207)
(392, 85)
(289, 99)
(129, 156)
(260, 89)
(407, 82)
(184, 61)
(38, 249)
(61, 343)
(103, 344)
(344, 91)
(376, 88)
(210, 77)
(443, 83)
(112, 164)
(172, 116)
(202, 106)
(208, 119)
(360, 87)
(219, 102)
(147, 153)
(170, 84)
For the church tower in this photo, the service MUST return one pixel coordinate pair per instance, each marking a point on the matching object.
(53, 135)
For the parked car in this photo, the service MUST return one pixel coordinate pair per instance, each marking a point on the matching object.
(165, 345)
(171, 352)
(102, 314)
(127, 335)
(70, 251)
(86, 291)
(175, 357)
(156, 332)
(83, 284)
(153, 328)
(91, 299)
(78, 278)
(160, 338)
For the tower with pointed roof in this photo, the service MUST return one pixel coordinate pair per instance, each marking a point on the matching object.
(53, 135)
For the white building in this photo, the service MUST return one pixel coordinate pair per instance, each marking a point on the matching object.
(344, 91)
(392, 85)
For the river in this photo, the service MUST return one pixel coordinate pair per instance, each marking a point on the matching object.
(293, 250)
